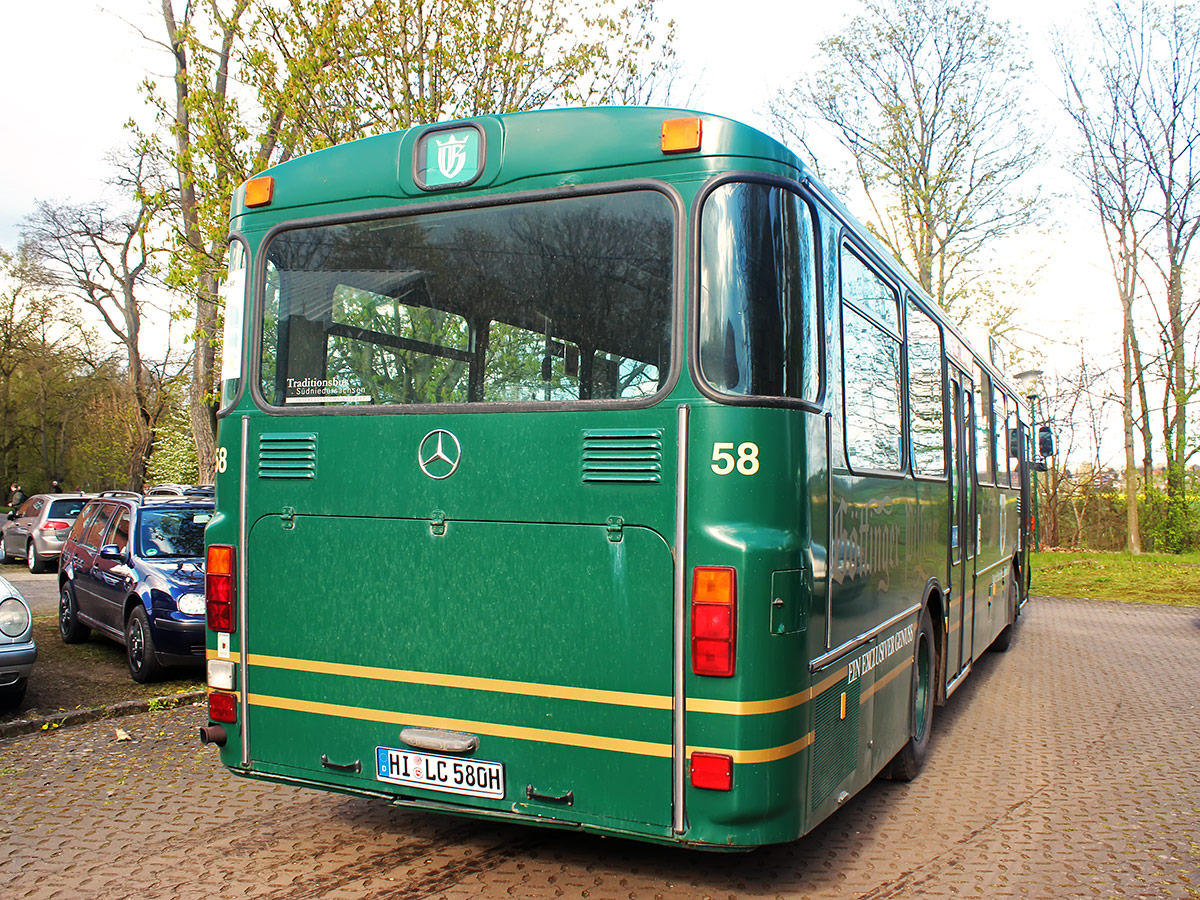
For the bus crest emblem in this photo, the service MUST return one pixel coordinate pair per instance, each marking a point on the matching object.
(449, 158)
(452, 156)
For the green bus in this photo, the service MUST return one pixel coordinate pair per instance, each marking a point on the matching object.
(595, 469)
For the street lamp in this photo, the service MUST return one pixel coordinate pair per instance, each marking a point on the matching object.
(1028, 381)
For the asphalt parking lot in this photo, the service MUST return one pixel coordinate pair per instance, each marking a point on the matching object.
(1068, 767)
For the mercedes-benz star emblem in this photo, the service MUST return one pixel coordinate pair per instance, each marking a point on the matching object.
(438, 454)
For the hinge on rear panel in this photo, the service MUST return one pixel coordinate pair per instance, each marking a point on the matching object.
(437, 523)
(288, 518)
(616, 529)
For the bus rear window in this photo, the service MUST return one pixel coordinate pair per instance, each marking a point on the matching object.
(559, 300)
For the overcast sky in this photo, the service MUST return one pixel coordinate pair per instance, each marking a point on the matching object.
(71, 70)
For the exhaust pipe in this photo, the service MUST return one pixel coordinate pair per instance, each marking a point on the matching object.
(213, 734)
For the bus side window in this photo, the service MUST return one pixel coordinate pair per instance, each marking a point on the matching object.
(983, 427)
(926, 408)
(871, 360)
(1014, 448)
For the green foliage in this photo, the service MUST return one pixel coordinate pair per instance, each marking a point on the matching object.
(1147, 578)
(64, 410)
(1169, 523)
(258, 83)
(174, 459)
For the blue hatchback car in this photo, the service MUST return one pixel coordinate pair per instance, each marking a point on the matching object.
(132, 568)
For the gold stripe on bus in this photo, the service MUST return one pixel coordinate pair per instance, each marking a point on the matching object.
(548, 691)
(770, 754)
(469, 682)
(522, 733)
(763, 707)
(886, 680)
(518, 732)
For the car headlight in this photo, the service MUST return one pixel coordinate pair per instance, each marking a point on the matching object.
(192, 604)
(14, 617)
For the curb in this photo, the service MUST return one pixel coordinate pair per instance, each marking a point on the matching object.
(93, 714)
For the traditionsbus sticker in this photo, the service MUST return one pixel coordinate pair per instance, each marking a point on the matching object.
(449, 157)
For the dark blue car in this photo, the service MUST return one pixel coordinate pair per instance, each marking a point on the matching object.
(133, 570)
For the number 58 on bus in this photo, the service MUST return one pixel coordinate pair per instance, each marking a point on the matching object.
(595, 469)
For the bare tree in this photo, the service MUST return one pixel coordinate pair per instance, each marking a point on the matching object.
(1075, 405)
(107, 261)
(925, 96)
(1097, 94)
(1137, 105)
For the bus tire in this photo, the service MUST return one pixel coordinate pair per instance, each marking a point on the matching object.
(908, 762)
(1005, 638)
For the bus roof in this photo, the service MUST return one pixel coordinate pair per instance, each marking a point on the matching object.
(538, 149)
(540, 144)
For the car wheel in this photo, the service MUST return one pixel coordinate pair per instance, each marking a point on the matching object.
(139, 648)
(70, 628)
(11, 695)
(31, 559)
(5, 556)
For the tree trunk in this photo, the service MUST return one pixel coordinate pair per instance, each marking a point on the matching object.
(1133, 531)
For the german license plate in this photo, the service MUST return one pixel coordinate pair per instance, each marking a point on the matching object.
(449, 774)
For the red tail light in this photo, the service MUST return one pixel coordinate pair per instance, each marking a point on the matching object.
(218, 588)
(712, 771)
(714, 620)
(54, 525)
(222, 707)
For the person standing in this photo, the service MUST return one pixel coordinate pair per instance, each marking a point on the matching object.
(17, 497)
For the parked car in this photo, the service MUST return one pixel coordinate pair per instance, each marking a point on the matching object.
(17, 649)
(133, 569)
(36, 530)
(180, 490)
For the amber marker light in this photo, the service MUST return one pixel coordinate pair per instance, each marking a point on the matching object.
(681, 135)
(259, 191)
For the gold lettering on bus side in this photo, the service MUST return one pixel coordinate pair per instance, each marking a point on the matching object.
(864, 545)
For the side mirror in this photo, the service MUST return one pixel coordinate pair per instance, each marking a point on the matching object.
(1045, 441)
(12, 514)
(111, 551)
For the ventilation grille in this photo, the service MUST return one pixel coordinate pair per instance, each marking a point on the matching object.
(622, 456)
(835, 748)
(287, 456)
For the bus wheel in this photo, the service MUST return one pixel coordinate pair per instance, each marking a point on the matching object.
(1005, 638)
(908, 762)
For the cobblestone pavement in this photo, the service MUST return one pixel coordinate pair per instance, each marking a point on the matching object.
(1068, 767)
